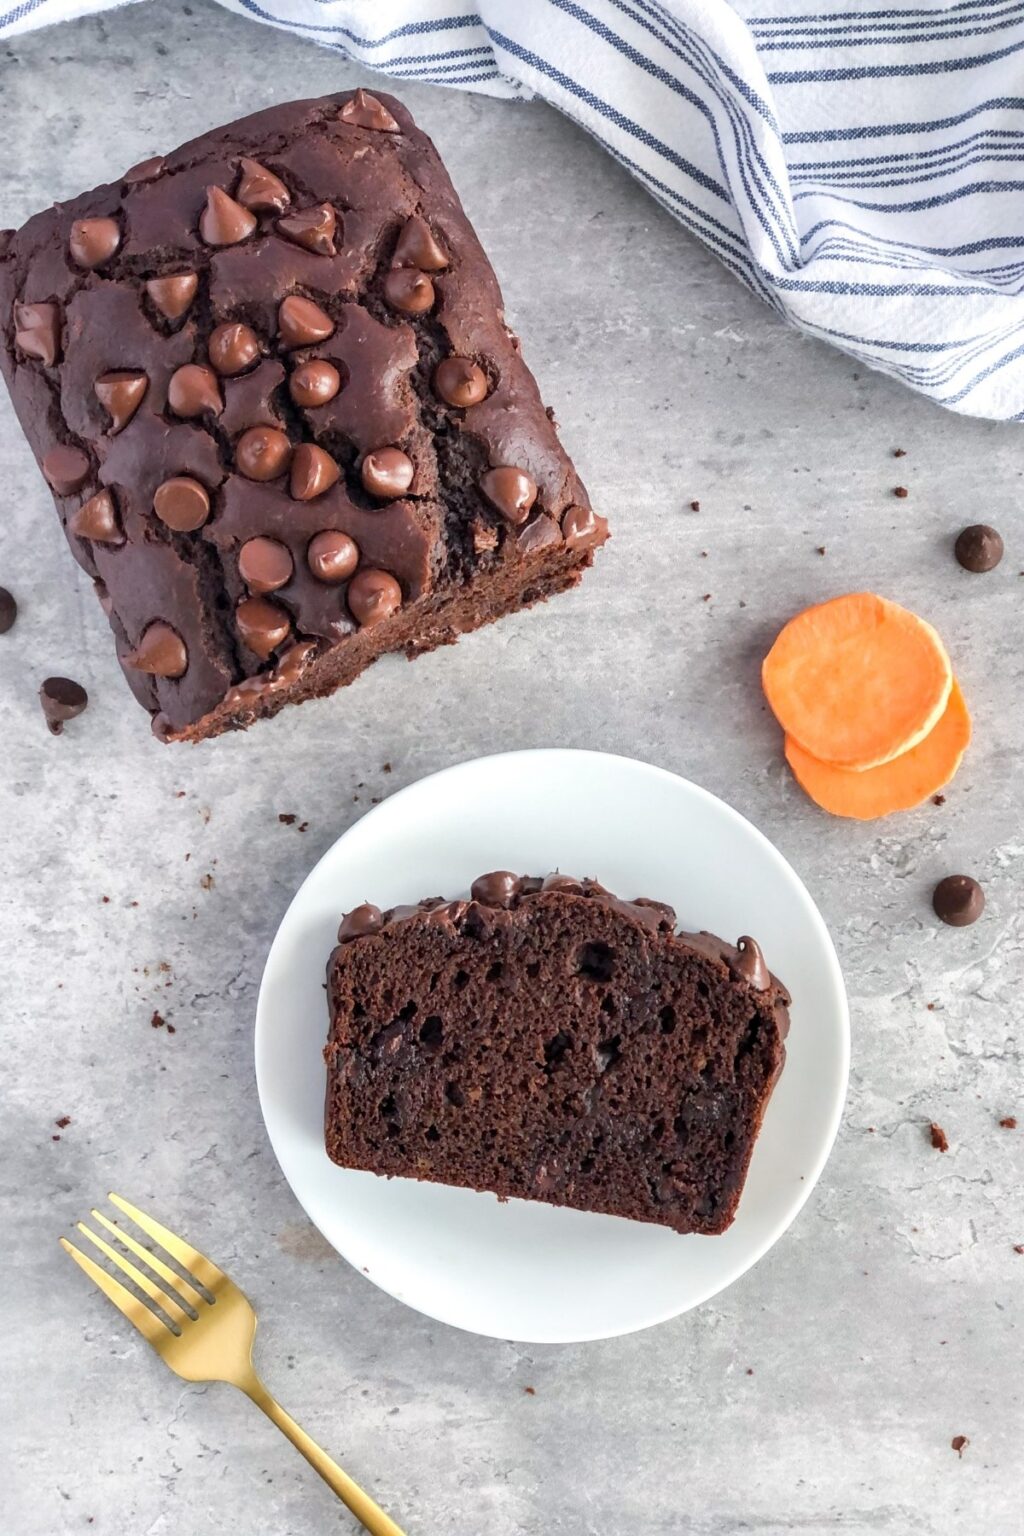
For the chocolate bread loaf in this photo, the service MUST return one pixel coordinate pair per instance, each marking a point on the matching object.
(269, 382)
(549, 1041)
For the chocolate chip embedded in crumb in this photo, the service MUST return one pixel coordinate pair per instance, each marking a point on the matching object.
(582, 528)
(960, 1444)
(364, 111)
(939, 1139)
(313, 472)
(264, 565)
(263, 453)
(66, 469)
(172, 296)
(182, 503)
(510, 491)
(417, 247)
(61, 700)
(233, 348)
(373, 596)
(332, 556)
(37, 332)
(145, 170)
(96, 519)
(263, 625)
(460, 382)
(8, 611)
(161, 652)
(260, 190)
(498, 889)
(958, 900)
(979, 548)
(539, 534)
(359, 922)
(194, 391)
(301, 323)
(387, 473)
(93, 242)
(409, 291)
(223, 221)
(314, 383)
(120, 394)
(312, 228)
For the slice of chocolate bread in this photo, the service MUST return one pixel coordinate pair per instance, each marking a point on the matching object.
(547, 1040)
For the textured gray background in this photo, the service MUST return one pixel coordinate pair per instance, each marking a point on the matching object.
(887, 1320)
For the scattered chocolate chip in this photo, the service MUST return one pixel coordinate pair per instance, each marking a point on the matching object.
(388, 473)
(373, 596)
(233, 348)
(8, 611)
(263, 625)
(979, 548)
(510, 491)
(260, 190)
(96, 519)
(120, 394)
(287, 818)
(359, 922)
(61, 700)
(145, 170)
(312, 228)
(93, 242)
(364, 111)
(66, 469)
(172, 296)
(193, 391)
(900, 490)
(182, 503)
(417, 247)
(332, 556)
(161, 652)
(409, 291)
(498, 889)
(301, 323)
(313, 472)
(959, 1444)
(1009, 1122)
(460, 382)
(223, 221)
(958, 900)
(581, 527)
(314, 383)
(939, 1139)
(264, 565)
(262, 453)
(37, 332)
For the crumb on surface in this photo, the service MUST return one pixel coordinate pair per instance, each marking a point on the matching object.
(1008, 1122)
(706, 598)
(939, 1139)
(530, 1391)
(900, 490)
(207, 882)
(63, 1122)
(157, 1021)
(385, 768)
(899, 453)
(938, 799)
(1018, 1247)
(303, 825)
(821, 550)
(287, 818)
(960, 1444)
(930, 1007)
(105, 899)
(694, 506)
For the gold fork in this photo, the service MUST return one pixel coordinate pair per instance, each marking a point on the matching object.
(206, 1333)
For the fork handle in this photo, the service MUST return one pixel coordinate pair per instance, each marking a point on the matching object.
(370, 1516)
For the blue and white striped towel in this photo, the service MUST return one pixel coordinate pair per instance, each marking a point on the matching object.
(858, 165)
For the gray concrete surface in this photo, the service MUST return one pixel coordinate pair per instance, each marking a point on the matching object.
(888, 1320)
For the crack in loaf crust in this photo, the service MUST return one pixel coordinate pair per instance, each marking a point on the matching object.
(269, 381)
(546, 1040)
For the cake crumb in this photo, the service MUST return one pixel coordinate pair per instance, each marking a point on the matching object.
(530, 1391)
(1018, 1247)
(930, 1007)
(706, 598)
(171, 1030)
(207, 882)
(1008, 1122)
(821, 549)
(900, 490)
(63, 1122)
(940, 1141)
(303, 825)
(105, 899)
(287, 818)
(959, 1444)
(938, 799)
(750, 1370)
(899, 453)
(385, 768)
(157, 1021)
(694, 506)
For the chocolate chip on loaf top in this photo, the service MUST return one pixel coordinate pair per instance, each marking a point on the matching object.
(545, 1039)
(269, 382)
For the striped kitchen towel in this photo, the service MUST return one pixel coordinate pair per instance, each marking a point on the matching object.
(858, 165)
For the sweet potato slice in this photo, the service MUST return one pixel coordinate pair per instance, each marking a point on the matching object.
(857, 680)
(897, 785)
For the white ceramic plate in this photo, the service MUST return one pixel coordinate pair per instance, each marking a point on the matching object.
(522, 1270)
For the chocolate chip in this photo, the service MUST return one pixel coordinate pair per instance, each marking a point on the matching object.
(172, 296)
(360, 922)
(223, 221)
(958, 900)
(749, 964)
(37, 332)
(510, 491)
(61, 700)
(314, 383)
(96, 519)
(233, 348)
(460, 382)
(145, 170)
(93, 241)
(161, 652)
(260, 190)
(313, 472)
(262, 453)
(312, 228)
(373, 596)
(979, 548)
(498, 889)
(417, 247)
(388, 473)
(193, 391)
(264, 565)
(582, 528)
(262, 625)
(300, 322)
(120, 394)
(540, 534)
(409, 291)
(364, 111)
(182, 503)
(8, 611)
(66, 469)
(331, 556)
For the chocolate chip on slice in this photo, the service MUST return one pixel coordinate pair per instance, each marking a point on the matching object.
(121, 393)
(262, 453)
(312, 228)
(417, 247)
(233, 348)
(193, 391)
(182, 503)
(37, 332)
(364, 111)
(387, 472)
(360, 922)
(498, 889)
(61, 700)
(264, 565)
(301, 323)
(223, 221)
(161, 652)
(93, 241)
(145, 170)
(373, 596)
(581, 528)
(313, 472)
(539, 534)
(510, 491)
(173, 296)
(958, 900)
(460, 382)
(314, 383)
(979, 548)
(66, 469)
(749, 964)
(409, 291)
(96, 519)
(332, 556)
(9, 609)
(260, 190)
(262, 625)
